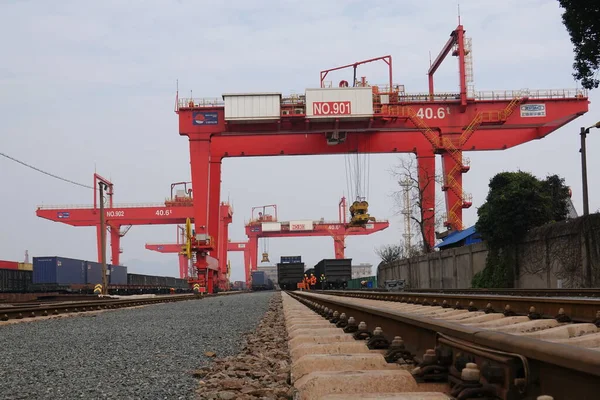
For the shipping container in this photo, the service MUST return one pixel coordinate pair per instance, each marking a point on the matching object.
(117, 275)
(94, 273)
(289, 275)
(337, 272)
(252, 106)
(344, 102)
(60, 270)
(356, 283)
(25, 266)
(290, 259)
(9, 264)
(14, 280)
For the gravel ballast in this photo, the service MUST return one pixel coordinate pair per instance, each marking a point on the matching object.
(144, 353)
(260, 371)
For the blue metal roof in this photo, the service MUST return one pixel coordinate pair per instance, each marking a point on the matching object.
(456, 237)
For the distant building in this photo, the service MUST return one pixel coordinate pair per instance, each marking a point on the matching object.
(361, 270)
(459, 238)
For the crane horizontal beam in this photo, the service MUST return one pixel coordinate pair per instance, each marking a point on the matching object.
(319, 229)
(118, 215)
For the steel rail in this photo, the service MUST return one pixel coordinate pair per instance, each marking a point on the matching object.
(578, 309)
(556, 369)
(583, 292)
(7, 313)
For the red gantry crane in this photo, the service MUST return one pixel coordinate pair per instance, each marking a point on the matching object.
(358, 117)
(266, 225)
(176, 210)
(226, 214)
(169, 248)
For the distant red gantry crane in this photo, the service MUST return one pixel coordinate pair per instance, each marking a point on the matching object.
(358, 117)
(226, 215)
(266, 225)
(175, 210)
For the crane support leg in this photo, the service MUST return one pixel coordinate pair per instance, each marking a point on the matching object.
(247, 267)
(183, 266)
(339, 244)
(115, 244)
(200, 166)
(253, 245)
(453, 195)
(214, 199)
(426, 171)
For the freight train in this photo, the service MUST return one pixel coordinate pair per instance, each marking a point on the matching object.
(337, 273)
(260, 281)
(290, 271)
(67, 275)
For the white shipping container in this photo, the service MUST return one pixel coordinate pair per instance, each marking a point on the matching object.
(252, 106)
(271, 226)
(301, 225)
(345, 102)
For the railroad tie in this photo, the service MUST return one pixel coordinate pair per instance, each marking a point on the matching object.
(330, 364)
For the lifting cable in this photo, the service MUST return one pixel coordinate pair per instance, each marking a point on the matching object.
(358, 168)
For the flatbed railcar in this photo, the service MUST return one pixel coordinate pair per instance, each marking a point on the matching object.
(20, 281)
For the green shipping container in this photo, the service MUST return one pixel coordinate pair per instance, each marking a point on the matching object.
(355, 283)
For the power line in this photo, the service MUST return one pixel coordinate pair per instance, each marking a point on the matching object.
(47, 173)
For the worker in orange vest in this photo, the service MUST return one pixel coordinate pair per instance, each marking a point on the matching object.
(313, 281)
(306, 282)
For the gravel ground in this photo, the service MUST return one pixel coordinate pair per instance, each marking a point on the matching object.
(144, 353)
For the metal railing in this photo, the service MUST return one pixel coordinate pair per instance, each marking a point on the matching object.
(191, 102)
(398, 90)
(91, 206)
(532, 94)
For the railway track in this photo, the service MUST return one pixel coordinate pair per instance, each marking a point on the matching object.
(36, 310)
(513, 292)
(566, 308)
(461, 353)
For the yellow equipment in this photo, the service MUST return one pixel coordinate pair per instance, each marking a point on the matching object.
(359, 213)
(265, 257)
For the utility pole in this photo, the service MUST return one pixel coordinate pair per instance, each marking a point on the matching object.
(587, 265)
(583, 132)
(102, 186)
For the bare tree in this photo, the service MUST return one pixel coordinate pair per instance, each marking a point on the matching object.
(390, 253)
(406, 173)
(394, 252)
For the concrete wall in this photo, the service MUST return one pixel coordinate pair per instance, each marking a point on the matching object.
(552, 256)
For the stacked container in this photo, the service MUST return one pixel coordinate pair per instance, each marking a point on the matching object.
(26, 266)
(9, 264)
(59, 270)
(117, 275)
(94, 273)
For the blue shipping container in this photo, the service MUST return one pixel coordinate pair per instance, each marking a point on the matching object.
(259, 278)
(59, 270)
(94, 273)
(118, 275)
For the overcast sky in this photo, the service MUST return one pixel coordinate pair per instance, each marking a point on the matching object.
(90, 85)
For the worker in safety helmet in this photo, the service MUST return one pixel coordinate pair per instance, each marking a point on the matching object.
(313, 281)
(323, 280)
